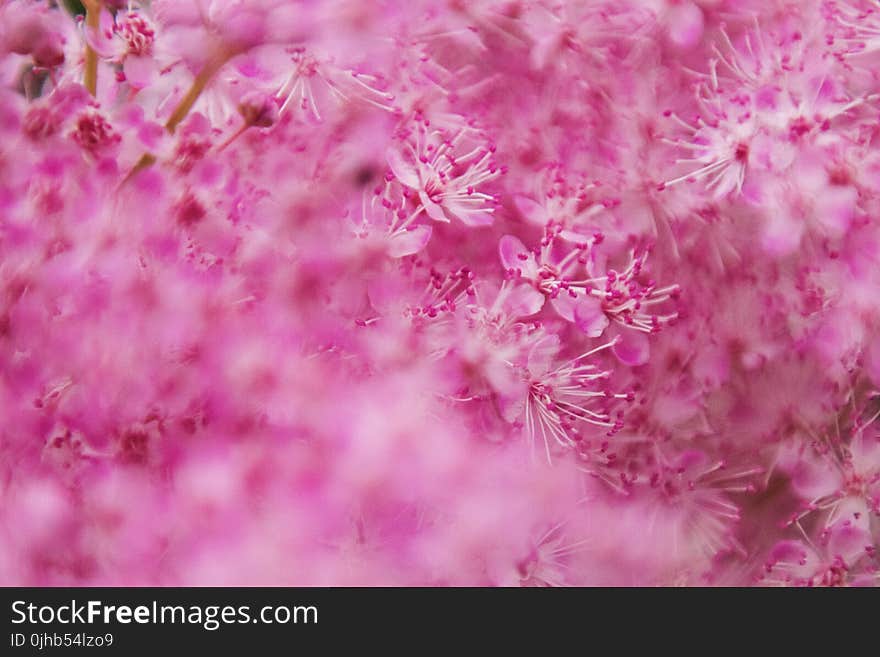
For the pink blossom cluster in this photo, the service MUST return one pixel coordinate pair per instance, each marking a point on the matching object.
(440, 292)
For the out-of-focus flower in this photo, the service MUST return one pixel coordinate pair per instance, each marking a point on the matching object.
(254, 329)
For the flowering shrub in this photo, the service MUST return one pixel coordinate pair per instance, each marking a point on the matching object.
(435, 292)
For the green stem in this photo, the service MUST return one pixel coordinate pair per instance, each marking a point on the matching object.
(183, 107)
(198, 86)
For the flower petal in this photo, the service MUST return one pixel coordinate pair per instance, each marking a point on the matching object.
(434, 210)
(101, 38)
(589, 316)
(686, 24)
(542, 354)
(139, 71)
(472, 218)
(632, 348)
(409, 242)
(405, 172)
(523, 300)
(564, 305)
(533, 212)
(515, 255)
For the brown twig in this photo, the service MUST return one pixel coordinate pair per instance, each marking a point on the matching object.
(93, 22)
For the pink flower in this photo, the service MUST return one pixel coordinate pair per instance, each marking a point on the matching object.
(446, 171)
(313, 83)
(554, 280)
(590, 302)
(564, 399)
(127, 40)
(393, 225)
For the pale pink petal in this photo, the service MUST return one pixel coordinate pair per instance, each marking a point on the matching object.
(849, 541)
(542, 354)
(589, 316)
(813, 478)
(101, 39)
(534, 212)
(515, 256)
(409, 242)
(474, 219)
(543, 49)
(511, 407)
(781, 234)
(632, 348)
(139, 71)
(434, 210)
(794, 559)
(405, 172)
(685, 21)
(564, 304)
(835, 207)
(872, 361)
(523, 300)
(865, 450)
